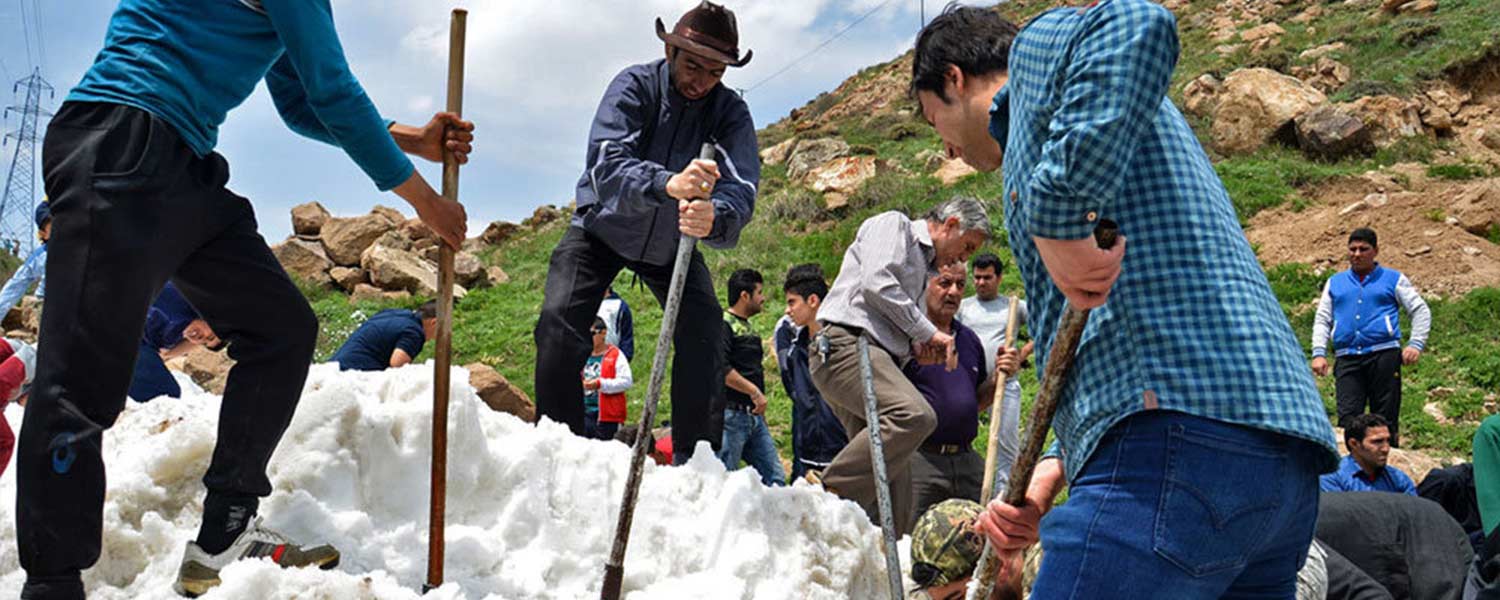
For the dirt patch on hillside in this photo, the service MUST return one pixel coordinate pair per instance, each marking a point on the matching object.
(1419, 232)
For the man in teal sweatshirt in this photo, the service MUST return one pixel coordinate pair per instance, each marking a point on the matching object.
(139, 198)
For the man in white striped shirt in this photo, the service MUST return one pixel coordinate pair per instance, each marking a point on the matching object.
(880, 294)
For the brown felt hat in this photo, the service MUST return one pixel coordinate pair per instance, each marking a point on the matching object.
(709, 31)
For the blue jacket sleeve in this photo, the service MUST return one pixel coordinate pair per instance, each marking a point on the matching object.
(627, 332)
(614, 143)
(739, 176)
(28, 273)
(329, 91)
(1112, 88)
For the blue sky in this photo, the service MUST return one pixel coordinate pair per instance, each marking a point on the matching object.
(536, 69)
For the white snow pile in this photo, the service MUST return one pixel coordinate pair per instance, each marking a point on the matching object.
(531, 509)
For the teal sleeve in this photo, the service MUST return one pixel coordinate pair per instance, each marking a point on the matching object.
(331, 94)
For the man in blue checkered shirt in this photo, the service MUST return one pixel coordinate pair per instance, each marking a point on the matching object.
(1190, 431)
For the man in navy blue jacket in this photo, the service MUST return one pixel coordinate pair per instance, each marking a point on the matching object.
(1361, 312)
(642, 185)
(173, 327)
(138, 197)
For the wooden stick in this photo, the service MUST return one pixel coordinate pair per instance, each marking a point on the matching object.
(991, 454)
(1059, 360)
(614, 570)
(443, 349)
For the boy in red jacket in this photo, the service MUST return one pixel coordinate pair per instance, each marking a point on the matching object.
(606, 376)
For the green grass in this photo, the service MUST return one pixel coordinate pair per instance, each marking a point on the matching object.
(1458, 172)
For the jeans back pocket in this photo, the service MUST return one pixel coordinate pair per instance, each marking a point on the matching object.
(1218, 502)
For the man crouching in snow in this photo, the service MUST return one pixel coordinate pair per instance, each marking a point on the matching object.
(140, 197)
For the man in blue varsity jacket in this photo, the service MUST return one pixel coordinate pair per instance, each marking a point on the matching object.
(642, 185)
(1360, 312)
(139, 197)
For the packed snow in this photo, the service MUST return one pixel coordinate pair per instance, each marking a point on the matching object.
(531, 508)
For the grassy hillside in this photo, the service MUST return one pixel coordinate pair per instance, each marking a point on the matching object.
(1387, 55)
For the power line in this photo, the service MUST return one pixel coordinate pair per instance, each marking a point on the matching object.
(36, 25)
(815, 49)
(26, 31)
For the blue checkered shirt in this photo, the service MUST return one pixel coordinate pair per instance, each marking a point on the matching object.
(1191, 325)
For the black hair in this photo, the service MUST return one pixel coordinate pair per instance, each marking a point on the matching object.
(743, 281)
(806, 280)
(1364, 234)
(427, 310)
(600, 325)
(988, 260)
(1356, 428)
(976, 40)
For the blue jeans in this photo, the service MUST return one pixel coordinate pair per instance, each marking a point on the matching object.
(1173, 506)
(746, 436)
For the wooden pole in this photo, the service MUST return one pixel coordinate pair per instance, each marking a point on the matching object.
(1059, 360)
(991, 455)
(443, 350)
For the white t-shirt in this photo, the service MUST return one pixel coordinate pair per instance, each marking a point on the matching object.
(987, 318)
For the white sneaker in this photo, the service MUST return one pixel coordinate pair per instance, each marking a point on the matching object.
(200, 570)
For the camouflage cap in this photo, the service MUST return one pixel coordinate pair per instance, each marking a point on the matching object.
(944, 547)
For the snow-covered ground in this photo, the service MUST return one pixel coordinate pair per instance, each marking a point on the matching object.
(531, 509)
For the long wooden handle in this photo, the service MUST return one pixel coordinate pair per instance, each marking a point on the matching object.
(443, 344)
(1059, 361)
(991, 454)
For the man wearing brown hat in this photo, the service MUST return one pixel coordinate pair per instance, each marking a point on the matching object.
(642, 185)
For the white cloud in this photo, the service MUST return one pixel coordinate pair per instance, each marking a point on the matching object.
(536, 70)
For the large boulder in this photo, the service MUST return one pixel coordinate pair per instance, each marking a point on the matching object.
(346, 239)
(778, 154)
(364, 292)
(840, 177)
(308, 219)
(811, 154)
(1200, 96)
(1330, 133)
(1256, 106)
(498, 232)
(1260, 32)
(415, 229)
(1477, 208)
(305, 260)
(396, 269)
(394, 216)
(1389, 119)
(348, 277)
(468, 271)
(952, 171)
(1327, 75)
(499, 394)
